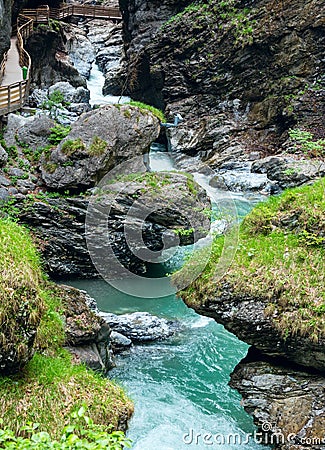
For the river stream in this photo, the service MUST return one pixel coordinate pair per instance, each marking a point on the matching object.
(179, 386)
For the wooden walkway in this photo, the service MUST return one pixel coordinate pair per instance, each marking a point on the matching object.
(13, 89)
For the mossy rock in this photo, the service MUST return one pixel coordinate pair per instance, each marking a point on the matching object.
(21, 305)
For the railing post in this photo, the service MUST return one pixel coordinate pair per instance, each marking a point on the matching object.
(9, 98)
(20, 95)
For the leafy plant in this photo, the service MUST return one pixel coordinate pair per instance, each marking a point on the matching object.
(304, 141)
(58, 133)
(56, 96)
(82, 433)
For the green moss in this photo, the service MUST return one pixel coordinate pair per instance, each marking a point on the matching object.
(70, 146)
(97, 147)
(50, 167)
(280, 258)
(144, 107)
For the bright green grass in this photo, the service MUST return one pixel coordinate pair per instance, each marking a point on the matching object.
(280, 258)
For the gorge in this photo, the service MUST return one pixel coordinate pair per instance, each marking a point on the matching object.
(248, 79)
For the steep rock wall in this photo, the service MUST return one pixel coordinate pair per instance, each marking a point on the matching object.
(5, 26)
(241, 74)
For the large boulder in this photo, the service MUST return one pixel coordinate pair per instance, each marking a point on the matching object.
(98, 141)
(71, 94)
(141, 326)
(287, 171)
(36, 132)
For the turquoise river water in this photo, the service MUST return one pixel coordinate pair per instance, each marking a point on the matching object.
(180, 385)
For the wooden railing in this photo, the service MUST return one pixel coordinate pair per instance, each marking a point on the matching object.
(44, 13)
(13, 96)
(39, 15)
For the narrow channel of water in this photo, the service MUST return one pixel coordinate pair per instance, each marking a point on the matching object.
(179, 386)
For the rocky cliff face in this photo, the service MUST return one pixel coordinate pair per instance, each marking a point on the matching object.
(283, 400)
(59, 224)
(5, 26)
(50, 59)
(240, 72)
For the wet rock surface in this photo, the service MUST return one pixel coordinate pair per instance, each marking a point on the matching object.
(141, 327)
(287, 404)
(286, 171)
(237, 90)
(51, 61)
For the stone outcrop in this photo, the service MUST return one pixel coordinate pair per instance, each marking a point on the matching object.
(173, 204)
(87, 334)
(33, 131)
(287, 404)
(51, 61)
(97, 142)
(245, 317)
(286, 171)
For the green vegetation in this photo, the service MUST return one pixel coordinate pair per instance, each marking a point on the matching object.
(229, 14)
(304, 141)
(97, 147)
(21, 305)
(154, 180)
(70, 146)
(51, 388)
(82, 433)
(280, 258)
(44, 393)
(58, 133)
(56, 97)
(50, 167)
(144, 107)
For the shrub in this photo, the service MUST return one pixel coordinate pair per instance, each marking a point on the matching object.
(304, 141)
